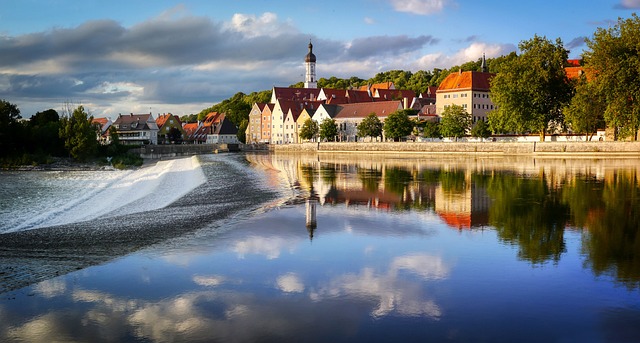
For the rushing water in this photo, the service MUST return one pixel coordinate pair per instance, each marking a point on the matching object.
(400, 249)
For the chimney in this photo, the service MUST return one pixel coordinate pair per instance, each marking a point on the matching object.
(406, 102)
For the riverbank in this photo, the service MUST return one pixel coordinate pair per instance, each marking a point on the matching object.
(511, 148)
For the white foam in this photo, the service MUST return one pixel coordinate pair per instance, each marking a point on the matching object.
(122, 193)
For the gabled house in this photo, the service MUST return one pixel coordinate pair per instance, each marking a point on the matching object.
(254, 129)
(190, 131)
(291, 125)
(305, 115)
(222, 131)
(325, 111)
(278, 116)
(136, 129)
(170, 129)
(266, 123)
(102, 126)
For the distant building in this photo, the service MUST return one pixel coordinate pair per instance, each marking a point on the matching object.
(165, 123)
(468, 89)
(136, 129)
(102, 126)
(254, 129)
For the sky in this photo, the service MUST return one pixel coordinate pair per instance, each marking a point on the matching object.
(165, 56)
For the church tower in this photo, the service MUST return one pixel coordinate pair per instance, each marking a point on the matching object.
(310, 80)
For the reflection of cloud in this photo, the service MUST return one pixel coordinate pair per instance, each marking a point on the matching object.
(290, 283)
(428, 267)
(271, 247)
(210, 281)
(51, 288)
(393, 294)
(43, 329)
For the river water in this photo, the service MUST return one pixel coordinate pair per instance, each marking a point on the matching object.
(324, 248)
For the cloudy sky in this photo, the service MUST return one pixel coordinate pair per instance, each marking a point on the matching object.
(180, 57)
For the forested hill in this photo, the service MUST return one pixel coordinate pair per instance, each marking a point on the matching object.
(237, 107)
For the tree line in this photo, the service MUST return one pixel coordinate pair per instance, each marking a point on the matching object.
(49, 135)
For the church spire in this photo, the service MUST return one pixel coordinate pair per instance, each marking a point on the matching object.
(310, 80)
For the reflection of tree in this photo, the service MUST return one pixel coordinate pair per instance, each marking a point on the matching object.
(328, 173)
(453, 182)
(528, 213)
(397, 179)
(370, 179)
(613, 242)
(308, 175)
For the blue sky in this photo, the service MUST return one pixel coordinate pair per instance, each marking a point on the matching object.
(180, 57)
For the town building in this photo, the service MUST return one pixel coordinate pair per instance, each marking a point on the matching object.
(136, 129)
(170, 129)
(310, 80)
(254, 129)
(468, 89)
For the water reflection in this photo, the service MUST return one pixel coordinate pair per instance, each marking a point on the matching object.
(529, 202)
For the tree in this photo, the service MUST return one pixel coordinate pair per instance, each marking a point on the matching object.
(9, 128)
(455, 122)
(79, 134)
(328, 130)
(398, 124)
(309, 129)
(431, 129)
(44, 139)
(370, 126)
(614, 58)
(175, 135)
(242, 131)
(481, 129)
(585, 112)
(532, 90)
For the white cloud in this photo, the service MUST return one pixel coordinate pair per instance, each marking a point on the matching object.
(630, 4)
(421, 7)
(369, 21)
(290, 283)
(252, 26)
(471, 53)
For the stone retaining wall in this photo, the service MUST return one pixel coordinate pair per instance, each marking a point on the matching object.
(512, 148)
(164, 151)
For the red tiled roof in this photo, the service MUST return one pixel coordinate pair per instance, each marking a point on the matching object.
(101, 121)
(360, 110)
(573, 63)
(162, 119)
(356, 96)
(282, 93)
(430, 92)
(471, 80)
(394, 94)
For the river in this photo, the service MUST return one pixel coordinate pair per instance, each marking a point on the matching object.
(320, 247)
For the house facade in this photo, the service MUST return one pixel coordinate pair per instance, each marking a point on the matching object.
(349, 116)
(254, 129)
(470, 90)
(166, 123)
(222, 131)
(136, 129)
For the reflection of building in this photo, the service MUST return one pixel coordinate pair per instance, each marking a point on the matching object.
(463, 208)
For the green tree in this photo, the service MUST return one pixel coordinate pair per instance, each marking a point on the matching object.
(585, 112)
(455, 122)
(398, 124)
(431, 129)
(614, 57)
(328, 130)
(481, 129)
(242, 131)
(532, 91)
(371, 126)
(9, 128)
(309, 129)
(44, 139)
(79, 134)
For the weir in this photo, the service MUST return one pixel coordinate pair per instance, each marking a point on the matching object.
(164, 151)
(102, 194)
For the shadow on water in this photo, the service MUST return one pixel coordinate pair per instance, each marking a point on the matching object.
(34, 255)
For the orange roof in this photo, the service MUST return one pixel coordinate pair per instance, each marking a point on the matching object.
(573, 63)
(381, 85)
(466, 80)
(212, 118)
(101, 121)
(163, 119)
